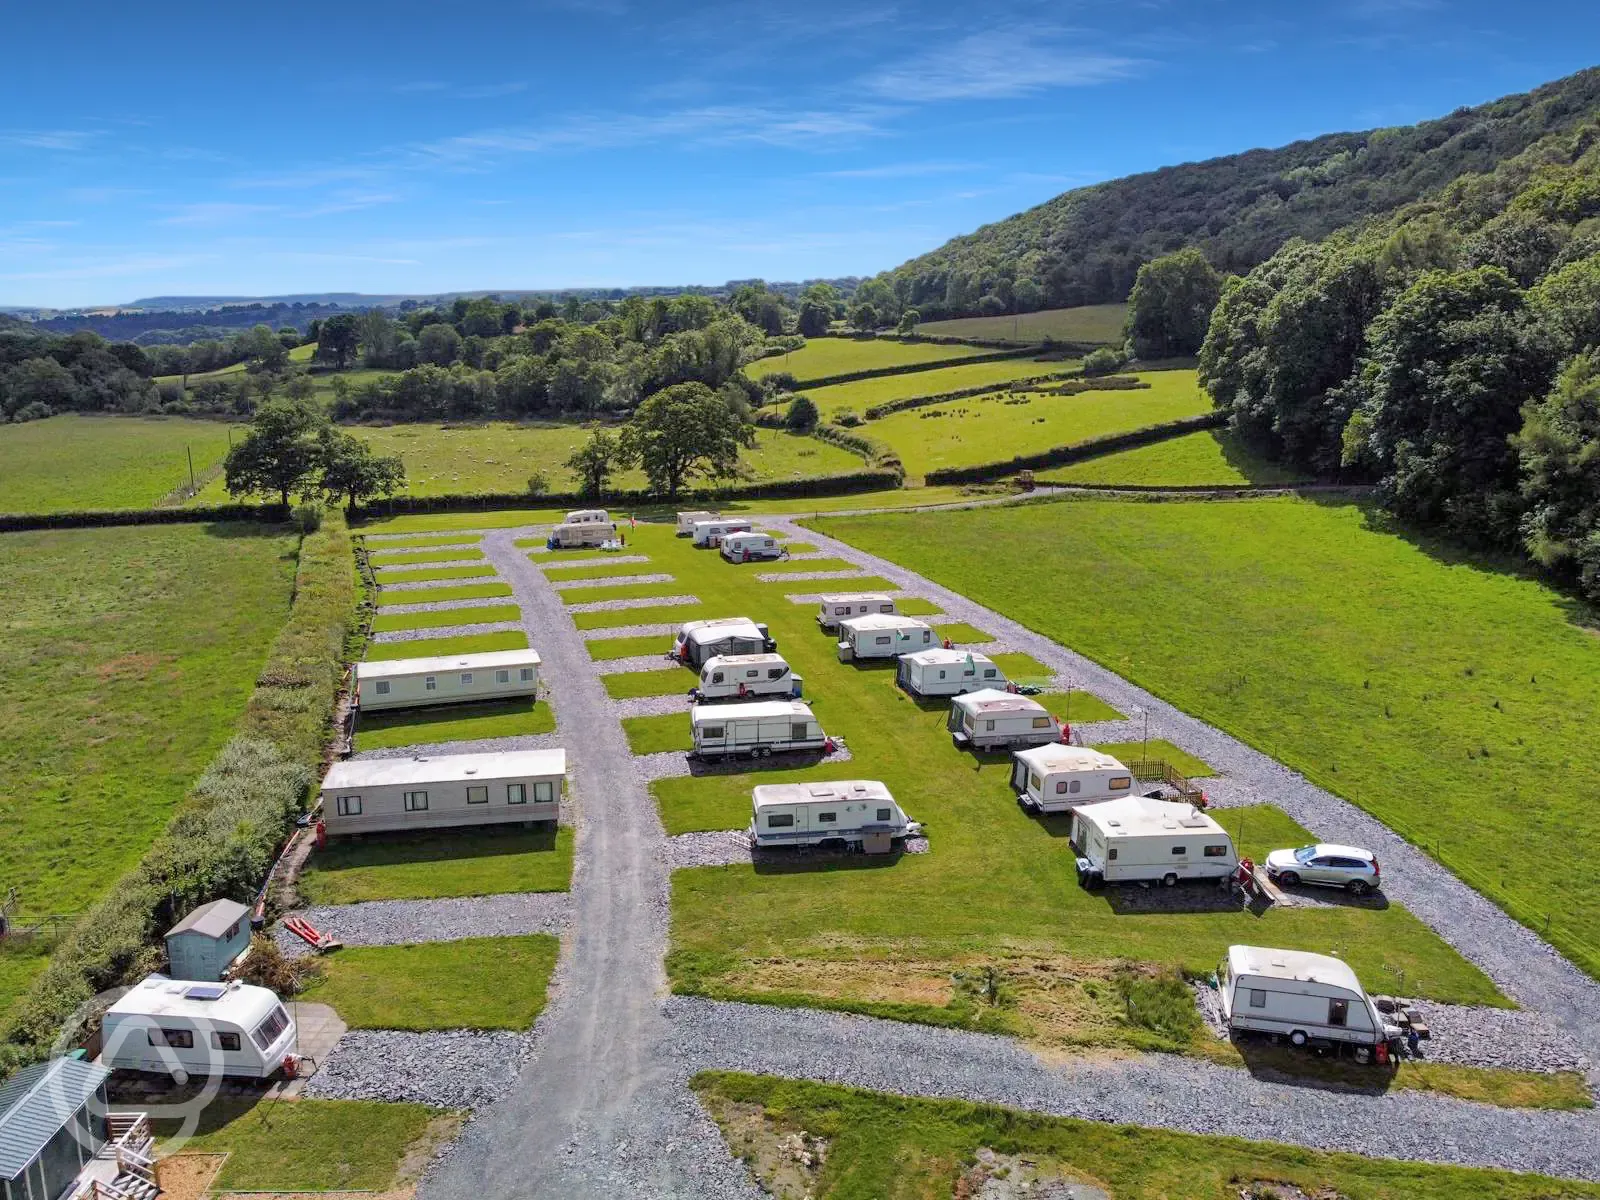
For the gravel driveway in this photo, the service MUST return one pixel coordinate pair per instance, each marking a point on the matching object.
(403, 922)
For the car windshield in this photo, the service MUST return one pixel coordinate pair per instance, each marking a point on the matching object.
(1305, 854)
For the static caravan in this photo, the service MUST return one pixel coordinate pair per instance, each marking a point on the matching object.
(843, 606)
(701, 645)
(1139, 839)
(882, 637)
(183, 1028)
(583, 534)
(374, 795)
(752, 547)
(446, 679)
(756, 729)
(710, 533)
(588, 516)
(1302, 996)
(746, 676)
(989, 718)
(941, 672)
(855, 812)
(1057, 778)
(688, 520)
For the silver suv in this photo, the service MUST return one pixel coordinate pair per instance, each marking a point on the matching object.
(1347, 867)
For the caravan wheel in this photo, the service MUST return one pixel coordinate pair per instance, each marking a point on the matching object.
(1170, 879)
(1298, 1038)
(766, 752)
(180, 1076)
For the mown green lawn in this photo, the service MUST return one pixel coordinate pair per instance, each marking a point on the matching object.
(1078, 707)
(468, 643)
(886, 1147)
(391, 575)
(652, 735)
(465, 591)
(657, 614)
(995, 879)
(824, 356)
(786, 565)
(474, 983)
(454, 723)
(1088, 323)
(628, 647)
(1023, 667)
(1157, 750)
(634, 684)
(73, 461)
(960, 633)
(444, 618)
(864, 393)
(916, 606)
(565, 571)
(450, 863)
(1209, 458)
(1452, 698)
(424, 539)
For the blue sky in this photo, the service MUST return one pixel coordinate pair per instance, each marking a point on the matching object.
(191, 148)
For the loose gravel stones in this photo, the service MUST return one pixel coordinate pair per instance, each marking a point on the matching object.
(654, 706)
(802, 576)
(583, 585)
(401, 922)
(422, 585)
(671, 764)
(431, 566)
(438, 605)
(391, 636)
(458, 1068)
(644, 662)
(553, 570)
(641, 602)
(1473, 1036)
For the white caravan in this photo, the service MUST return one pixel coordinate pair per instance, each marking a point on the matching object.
(188, 1029)
(446, 679)
(746, 676)
(755, 729)
(711, 533)
(1058, 778)
(882, 637)
(1139, 839)
(752, 547)
(579, 535)
(855, 812)
(375, 795)
(588, 516)
(842, 606)
(1302, 996)
(688, 520)
(941, 672)
(986, 719)
(729, 635)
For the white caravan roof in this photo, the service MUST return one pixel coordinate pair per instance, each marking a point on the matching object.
(588, 516)
(938, 656)
(877, 621)
(715, 522)
(160, 996)
(697, 515)
(773, 794)
(1299, 966)
(993, 700)
(444, 663)
(719, 662)
(757, 710)
(726, 629)
(1140, 816)
(854, 597)
(689, 627)
(1055, 757)
(444, 768)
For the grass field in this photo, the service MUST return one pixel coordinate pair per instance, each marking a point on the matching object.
(1077, 707)
(652, 735)
(1158, 750)
(422, 540)
(1428, 687)
(886, 1147)
(992, 428)
(960, 633)
(466, 591)
(128, 655)
(560, 573)
(821, 357)
(474, 983)
(884, 935)
(454, 723)
(429, 866)
(444, 618)
(1212, 458)
(406, 558)
(864, 393)
(628, 647)
(1091, 323)
(467, 643)
(634, 684)
(387, 575)
(674, 614)
(73, 462)
(621, 591)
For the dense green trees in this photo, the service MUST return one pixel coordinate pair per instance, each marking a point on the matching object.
(338, 338)
(348, 469)
(1171, 305)
(685, 431)
(43, 373)
(594, 462)
(1558, 450)
(278, 454)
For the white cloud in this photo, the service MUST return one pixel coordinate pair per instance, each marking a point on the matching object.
(998, 64)
(48, 139)
(215, 212)
(903, 170)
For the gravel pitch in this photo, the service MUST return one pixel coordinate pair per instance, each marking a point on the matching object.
(445, 631)
(640, 602)
(585, 585)
(433, 566)
(423, 585)
(654, 706)
(440, 605)
(671, 764)
(525, 741)
(1495, 1037)
(401, 922)
(560, 564)
(802, 576)
(457, 1068)
(643, 662)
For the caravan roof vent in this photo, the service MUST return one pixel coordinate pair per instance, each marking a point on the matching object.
(1114, 823)
(469, 770)
(206, 991)
(820, 789)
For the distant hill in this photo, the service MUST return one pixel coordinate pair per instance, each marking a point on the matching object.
(1086, 245)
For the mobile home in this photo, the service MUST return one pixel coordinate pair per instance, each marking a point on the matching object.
(710, 533)
(1302, 996)
(1139, 839)
(752, 547)
(688, 520)
(985, 719)
(583, 534)
(855, 812)
(841, 607)
(941, 672)
(756, 729)
(712, 639)
(183, 1028)
(741, 676)
(373, 795)
(882, 637)
(588, 516)
(446, 679)
(1057, 778)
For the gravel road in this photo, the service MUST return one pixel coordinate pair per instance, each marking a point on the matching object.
(400, 922)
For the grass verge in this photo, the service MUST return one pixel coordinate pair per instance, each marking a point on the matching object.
(431, 866)
(652, 735)
(468, 643)
(388, 576)
(633, 685)
(454, 723)
(465, 591)
(444, 618)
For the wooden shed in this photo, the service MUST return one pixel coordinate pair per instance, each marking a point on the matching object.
(203, 945)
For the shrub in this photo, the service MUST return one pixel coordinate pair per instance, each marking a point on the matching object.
(802, 415)
(36, 410)
(779, 381)
(307, 517)
(848, 417)
(1103, 361)
(269, 967)
(538, 483)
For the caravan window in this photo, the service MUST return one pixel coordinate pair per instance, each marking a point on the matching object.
(883, 608)
(1061, 788)
(416, 801)
(797, 731)
(780, 820)
(466, 679)
(941, 674)
(1120, 782)
(1111, 854)
(478, 794)
(1216, 852)
(1180, 850)
(178, 1039)
(1035, 781)
(429, 683)
(264, 1034)
(777, 672)
(716, 677)
(884, 814)
(348, 806)
(516, 793)
(544, 793)
(989, 672)
(1258, 998)
(225, 1041)
(382, 687)
(1075, 786)
(827, 818)
(882, 641)
(1338, 1012)
(713, 731)
(1041, 722)
(751, 674)
(988, 726)
(526, 674)
(502, 676)
(927, 636)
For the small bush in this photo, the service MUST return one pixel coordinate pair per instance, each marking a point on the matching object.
(1163, 1004)
(307, 517)
(269, 967)
(38, 410)
(1104, 361)
(538, 483)
(848, 417)
(802, 415)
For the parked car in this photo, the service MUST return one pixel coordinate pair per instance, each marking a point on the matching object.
(1348, 867)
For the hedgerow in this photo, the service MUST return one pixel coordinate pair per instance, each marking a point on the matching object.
(878, 411)
(1076, 451)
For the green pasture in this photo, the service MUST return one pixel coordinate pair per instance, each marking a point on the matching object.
(465, 591)
(1209, 458)
(864, 393)
(824, 356)
(1450, 696)
(467, 643)
(454, 723)
(439, 865)
(1089, 323)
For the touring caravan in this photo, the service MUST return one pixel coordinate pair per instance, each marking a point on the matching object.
(941, 672)
(579, 535)
(882, 637)
(374, 795)
(752, 547)
(446, 679)
(688, 520)
(1139, 839)
(746, 676)
(1304, 997)
(588, 516)
(187, 1029)
(1058, 778)
(855, 812)
(712, 638)
(756, 729)
(711, 533)
(989, 718)
(840, 607)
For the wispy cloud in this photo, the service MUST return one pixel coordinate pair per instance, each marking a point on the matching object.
(998, 64)
(450, 91)
(102, 267)
(215, 212)
(48, 139)
(99, 195)
(344, 202)
(908, 170)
